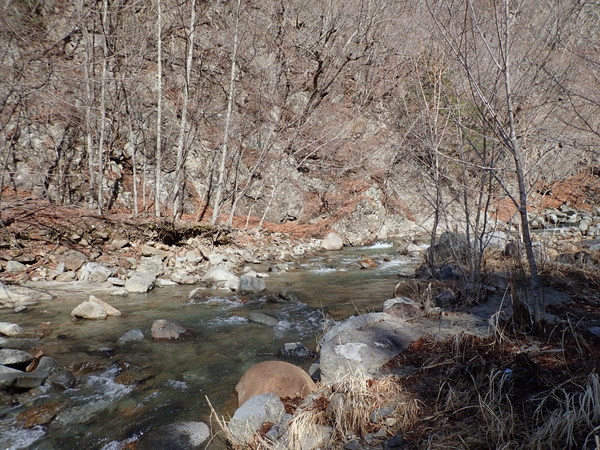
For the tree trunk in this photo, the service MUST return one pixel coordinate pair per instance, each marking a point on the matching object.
(158, 154)
(230, 96)
(181, 142)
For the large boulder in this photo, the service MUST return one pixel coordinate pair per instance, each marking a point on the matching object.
(495, 240)
(278, 377)
(332, 242)
(152, 266)
(140, 282)
(363, 344)
(250, 417)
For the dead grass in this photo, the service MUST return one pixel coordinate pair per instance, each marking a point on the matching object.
(337, 413)
(507, 393)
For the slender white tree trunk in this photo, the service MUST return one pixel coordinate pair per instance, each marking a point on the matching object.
(102, 130)
(181, 141)
(89, 98)
(158, 154)
(230, 96)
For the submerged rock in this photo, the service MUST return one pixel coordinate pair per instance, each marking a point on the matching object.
(262, 318)
(39, 415)
(62, 380)
(134, 335)
(163, 329)
(181, 435)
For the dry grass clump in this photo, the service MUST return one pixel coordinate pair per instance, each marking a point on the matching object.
(338, 413)
(484, 393)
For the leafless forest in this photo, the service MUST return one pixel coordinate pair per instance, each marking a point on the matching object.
(287, 110)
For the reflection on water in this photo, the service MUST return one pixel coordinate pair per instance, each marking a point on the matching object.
(174, 377)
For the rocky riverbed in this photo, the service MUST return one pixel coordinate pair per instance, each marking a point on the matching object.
(104, 280)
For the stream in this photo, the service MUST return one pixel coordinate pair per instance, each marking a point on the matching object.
(179, 375)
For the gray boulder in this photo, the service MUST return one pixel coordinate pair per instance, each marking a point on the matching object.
(140, 282)
(10, 329)
(332, 241)
(363, 344)
(15, 296)
(296, 350)
(250, 284)
(222, 278)
(250, 417)
(450, 247)
(163, 329)
(73, 260)
(11, 357)
(152, 266)
(13, 378)
(62, 380)
(402, 307)
(495, 240)
(89, 310)
(15, 266)
(94, 272)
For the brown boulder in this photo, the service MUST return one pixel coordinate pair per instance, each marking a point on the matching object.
(278, 377)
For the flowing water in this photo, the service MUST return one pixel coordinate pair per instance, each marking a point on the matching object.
(179, 375)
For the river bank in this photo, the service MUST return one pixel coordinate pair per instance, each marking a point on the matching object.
(155, 390)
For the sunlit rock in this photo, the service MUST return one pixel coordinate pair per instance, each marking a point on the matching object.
(250, 417)
(332, 242)
(89, 310)
(277, 377)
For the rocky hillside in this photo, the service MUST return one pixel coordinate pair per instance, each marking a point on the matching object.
(353, 117)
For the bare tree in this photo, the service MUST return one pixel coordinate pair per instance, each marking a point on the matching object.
(228, 116)
(502, 77)
(158, 154)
